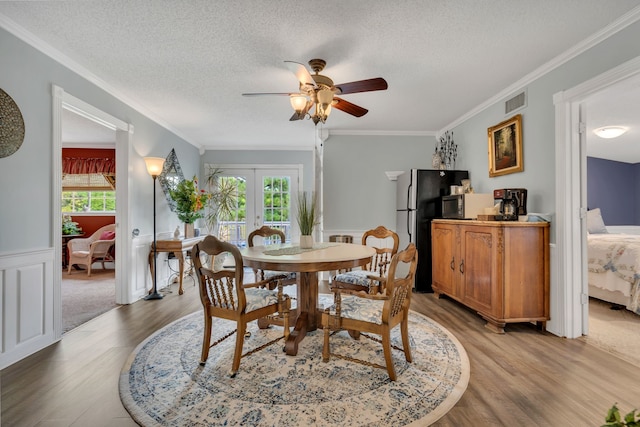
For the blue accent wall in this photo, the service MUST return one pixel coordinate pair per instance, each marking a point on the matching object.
(614, 187)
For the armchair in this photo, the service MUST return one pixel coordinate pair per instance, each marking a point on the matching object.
(86, 251)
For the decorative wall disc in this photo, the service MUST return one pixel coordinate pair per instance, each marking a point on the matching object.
(11, 126)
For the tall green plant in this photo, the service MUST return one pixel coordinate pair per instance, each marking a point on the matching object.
(223, 201)
(307, 215)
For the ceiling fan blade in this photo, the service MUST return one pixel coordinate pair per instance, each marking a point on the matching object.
(348, 107)
(301, 72)
(266, 93)
(302, 114)
(368, 85)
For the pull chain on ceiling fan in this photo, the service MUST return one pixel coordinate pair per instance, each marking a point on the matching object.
(318, 93)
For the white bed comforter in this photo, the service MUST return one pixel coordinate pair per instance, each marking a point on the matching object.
(620, 254)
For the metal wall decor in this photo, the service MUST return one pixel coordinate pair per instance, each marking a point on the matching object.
(11, 125)
(446, 153)
(170, 177)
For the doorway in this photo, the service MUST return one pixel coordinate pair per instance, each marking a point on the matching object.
(265, 196)
(63, 101)
(571, 290)
(88, 189)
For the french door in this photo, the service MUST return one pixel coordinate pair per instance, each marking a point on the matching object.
(265, 196)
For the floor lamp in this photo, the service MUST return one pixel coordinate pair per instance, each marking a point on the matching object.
(154, 167)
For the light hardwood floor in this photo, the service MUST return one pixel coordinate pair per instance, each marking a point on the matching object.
(523, 378)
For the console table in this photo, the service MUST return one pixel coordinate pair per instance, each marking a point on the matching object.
(178, 247)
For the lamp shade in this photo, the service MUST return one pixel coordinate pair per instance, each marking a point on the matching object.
(298, 101)
(608, 132)
(325, 96)
(154, 165)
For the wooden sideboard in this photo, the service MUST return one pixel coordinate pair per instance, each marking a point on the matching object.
(498, 268)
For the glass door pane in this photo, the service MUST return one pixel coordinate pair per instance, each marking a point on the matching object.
(278, 188)
(264, 197)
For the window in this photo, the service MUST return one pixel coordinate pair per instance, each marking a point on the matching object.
(88, 201)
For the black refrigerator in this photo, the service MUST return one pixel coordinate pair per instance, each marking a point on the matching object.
(419, 200)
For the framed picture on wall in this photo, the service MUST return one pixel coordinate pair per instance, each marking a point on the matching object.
(505, 147)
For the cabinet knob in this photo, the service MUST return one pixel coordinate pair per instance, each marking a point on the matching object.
(462, 267)
(453, 264)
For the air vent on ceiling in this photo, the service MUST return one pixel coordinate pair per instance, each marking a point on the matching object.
(515, 103)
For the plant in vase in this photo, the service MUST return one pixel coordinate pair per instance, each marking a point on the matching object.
(222, 204)
(307, 217)
(190, 203)
(69, 226)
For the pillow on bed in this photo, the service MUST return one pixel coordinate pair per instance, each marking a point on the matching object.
(595, 224)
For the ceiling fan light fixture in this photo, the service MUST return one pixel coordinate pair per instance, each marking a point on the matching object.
(325, 96)
(609, 132)
(298, 102)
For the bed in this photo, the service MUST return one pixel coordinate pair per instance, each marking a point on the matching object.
(614, 264)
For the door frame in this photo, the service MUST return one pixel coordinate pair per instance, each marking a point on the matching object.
(124, 134)
(570, 293)
(227, 169)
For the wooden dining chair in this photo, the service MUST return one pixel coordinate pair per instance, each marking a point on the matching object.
(378, 314)
(224, 295)
(270, 235)
(371, 278)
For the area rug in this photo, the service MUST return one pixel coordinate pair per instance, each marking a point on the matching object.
(162, 383)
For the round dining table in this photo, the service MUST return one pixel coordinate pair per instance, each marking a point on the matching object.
(307, 263)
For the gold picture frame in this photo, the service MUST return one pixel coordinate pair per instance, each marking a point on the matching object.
(505, 147)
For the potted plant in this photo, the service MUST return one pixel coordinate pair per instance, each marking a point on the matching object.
(69, 226)
(190, 203)
(307, 217)
(222, 203)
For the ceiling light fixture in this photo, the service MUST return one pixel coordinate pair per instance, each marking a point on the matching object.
(298, 102)
(317, 94)
(609, 132)
(319, 99)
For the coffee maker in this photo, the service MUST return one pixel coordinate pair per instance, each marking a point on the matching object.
(513, 203)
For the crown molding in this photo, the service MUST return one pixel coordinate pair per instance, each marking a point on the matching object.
(381, 133)
(255, 147)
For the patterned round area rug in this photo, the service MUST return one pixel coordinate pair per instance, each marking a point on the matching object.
(163, 384)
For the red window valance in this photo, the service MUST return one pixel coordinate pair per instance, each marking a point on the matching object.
(75, 165)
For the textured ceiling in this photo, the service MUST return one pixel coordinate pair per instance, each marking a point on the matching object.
(186, 63)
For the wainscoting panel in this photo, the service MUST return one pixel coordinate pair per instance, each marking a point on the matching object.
(143, 279)
(141, 248)
(27, 304)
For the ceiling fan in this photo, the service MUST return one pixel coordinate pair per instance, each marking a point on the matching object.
(317, 90)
